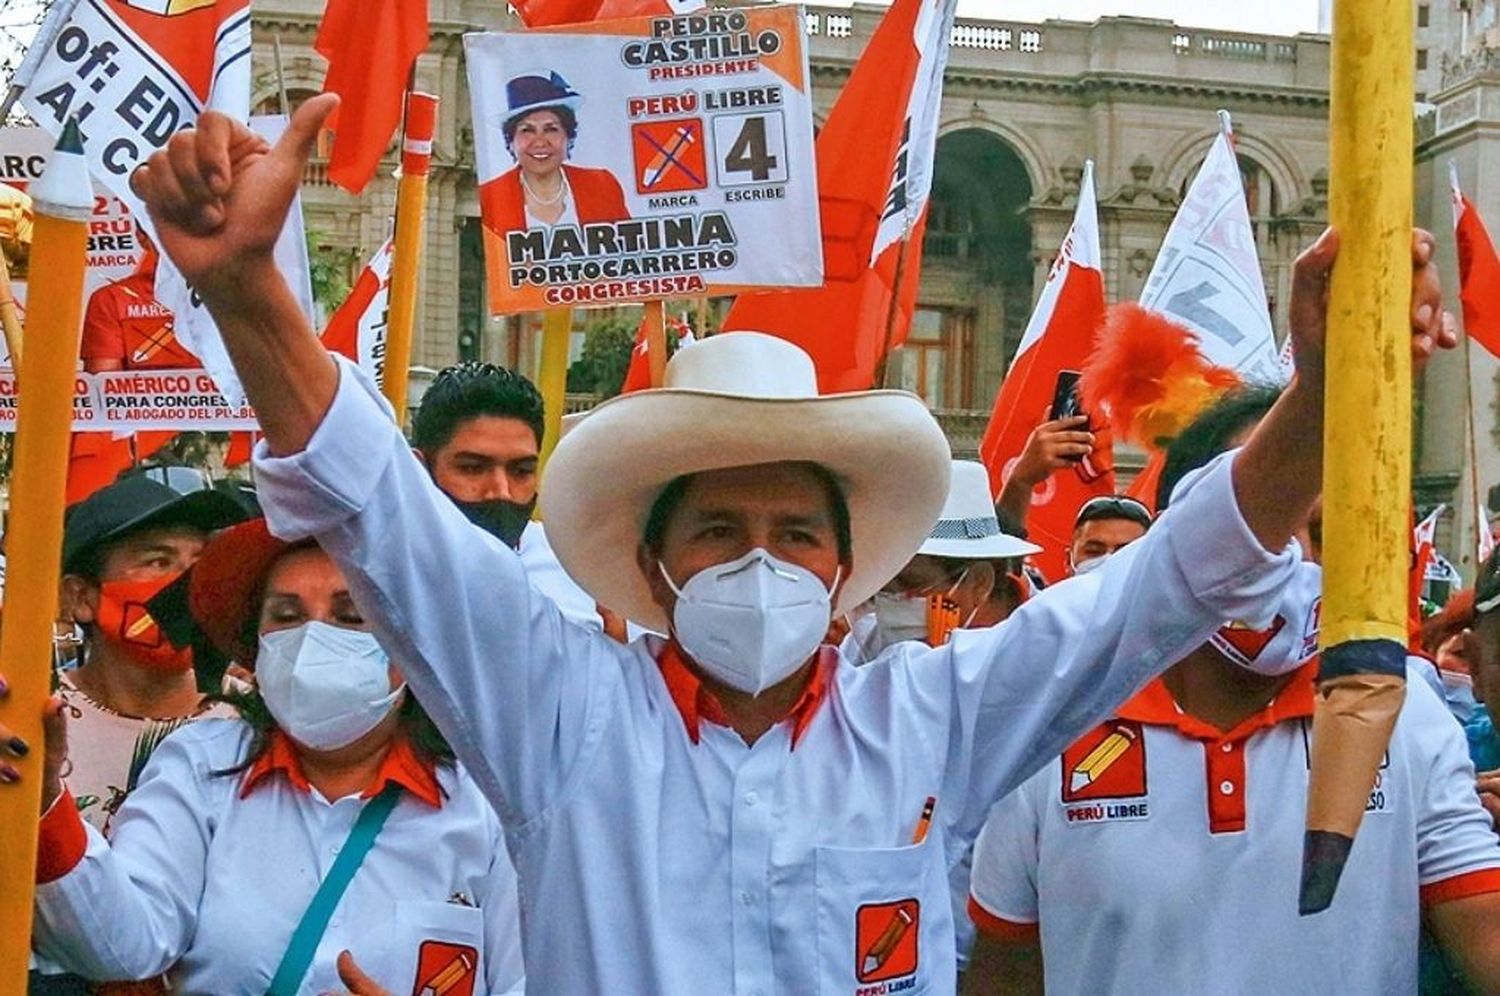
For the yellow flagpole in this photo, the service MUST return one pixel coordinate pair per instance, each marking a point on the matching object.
(552, 380)
(1367, 434)
(406, 264)
(64, 200)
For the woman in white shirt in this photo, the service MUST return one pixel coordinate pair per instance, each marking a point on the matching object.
(224, 865)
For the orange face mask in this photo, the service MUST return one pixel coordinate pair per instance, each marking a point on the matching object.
(124, 621)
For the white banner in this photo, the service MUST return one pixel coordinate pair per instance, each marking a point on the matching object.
(645, 158)
(129, 401)
(1207, 275)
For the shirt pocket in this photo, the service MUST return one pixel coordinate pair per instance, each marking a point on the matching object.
(876, 920)
(437, 948)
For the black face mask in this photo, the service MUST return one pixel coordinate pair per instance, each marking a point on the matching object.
(505, 520)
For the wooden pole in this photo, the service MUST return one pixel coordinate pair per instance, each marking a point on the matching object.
(406, 262)
(33, 544)
(656, 340)
(1367, 434)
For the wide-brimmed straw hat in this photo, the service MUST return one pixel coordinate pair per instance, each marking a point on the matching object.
(732, 400)
(968, 528)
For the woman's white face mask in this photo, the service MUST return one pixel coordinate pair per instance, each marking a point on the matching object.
(753, 621)
(325, 686)
(899, 617)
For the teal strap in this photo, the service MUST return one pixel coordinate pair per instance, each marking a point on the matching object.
(309, 933)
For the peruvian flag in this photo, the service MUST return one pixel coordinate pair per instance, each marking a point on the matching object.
(1059, 337)
(357, 330)
(370, 46)
(1207, 274)
(874, 176)
(1478, 270)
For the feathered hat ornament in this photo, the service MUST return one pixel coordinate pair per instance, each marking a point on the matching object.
(1148, 374)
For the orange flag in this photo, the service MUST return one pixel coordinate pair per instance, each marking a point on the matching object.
(370, 46)
(1478, 270)
(874, 174)
(1059, 337)
(547, 13)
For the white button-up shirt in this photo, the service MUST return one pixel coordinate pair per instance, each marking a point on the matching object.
(654, 865)
(203, 876)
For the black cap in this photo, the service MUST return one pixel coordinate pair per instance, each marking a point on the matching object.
(143, 499)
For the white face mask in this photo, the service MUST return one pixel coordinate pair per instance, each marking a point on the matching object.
(753, 621)
(325, 686)
(1292, 638)
(898, 617)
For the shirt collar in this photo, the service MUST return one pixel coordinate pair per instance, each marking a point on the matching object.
(400, 766)
(1154, 706)
(696, 703)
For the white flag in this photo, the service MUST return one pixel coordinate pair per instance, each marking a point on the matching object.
(1207, 275)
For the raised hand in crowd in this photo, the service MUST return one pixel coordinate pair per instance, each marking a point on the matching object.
(1054, 445)
(219, 195)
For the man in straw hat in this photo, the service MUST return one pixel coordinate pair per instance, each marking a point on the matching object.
(734, 809)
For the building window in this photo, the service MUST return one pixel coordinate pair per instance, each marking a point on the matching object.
(932, 361)
(1421, 59)
(1424, 14)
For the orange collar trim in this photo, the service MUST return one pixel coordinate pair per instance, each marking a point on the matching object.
(1154, 706)
(696, 703)
(401, 766)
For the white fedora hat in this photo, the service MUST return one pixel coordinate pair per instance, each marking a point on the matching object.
(968, 528)
(734, 400)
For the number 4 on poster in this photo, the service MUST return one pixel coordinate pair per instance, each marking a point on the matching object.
(752, 148)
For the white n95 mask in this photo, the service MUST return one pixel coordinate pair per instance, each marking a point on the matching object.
(1292, 638)
(753, 621)
(325, 686)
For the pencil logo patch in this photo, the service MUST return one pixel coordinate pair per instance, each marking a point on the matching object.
(445, 969)
(1107, 764)
(885, 941)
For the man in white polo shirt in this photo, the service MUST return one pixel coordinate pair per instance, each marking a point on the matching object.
(734, 810)
(1162, 852)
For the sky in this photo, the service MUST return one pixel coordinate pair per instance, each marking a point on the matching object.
(1269, 16)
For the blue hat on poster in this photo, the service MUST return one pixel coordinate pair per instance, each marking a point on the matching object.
(533, 92)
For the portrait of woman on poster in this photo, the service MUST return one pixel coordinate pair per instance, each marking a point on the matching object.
(544, 189)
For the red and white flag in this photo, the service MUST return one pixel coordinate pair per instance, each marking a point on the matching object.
(875, 158)
(1478, 270)
(1059, 337)
(1486, 536)
(1207, 275)
(357, 330)
(638, 374)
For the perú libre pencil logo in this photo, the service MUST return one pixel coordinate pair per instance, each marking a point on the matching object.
(885, 941)
(1107, 763)
(169, 8)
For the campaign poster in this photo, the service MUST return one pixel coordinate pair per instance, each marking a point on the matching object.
(645, 158)
(113, 248)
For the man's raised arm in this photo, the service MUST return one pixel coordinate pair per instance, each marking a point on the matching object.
(219, 196)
